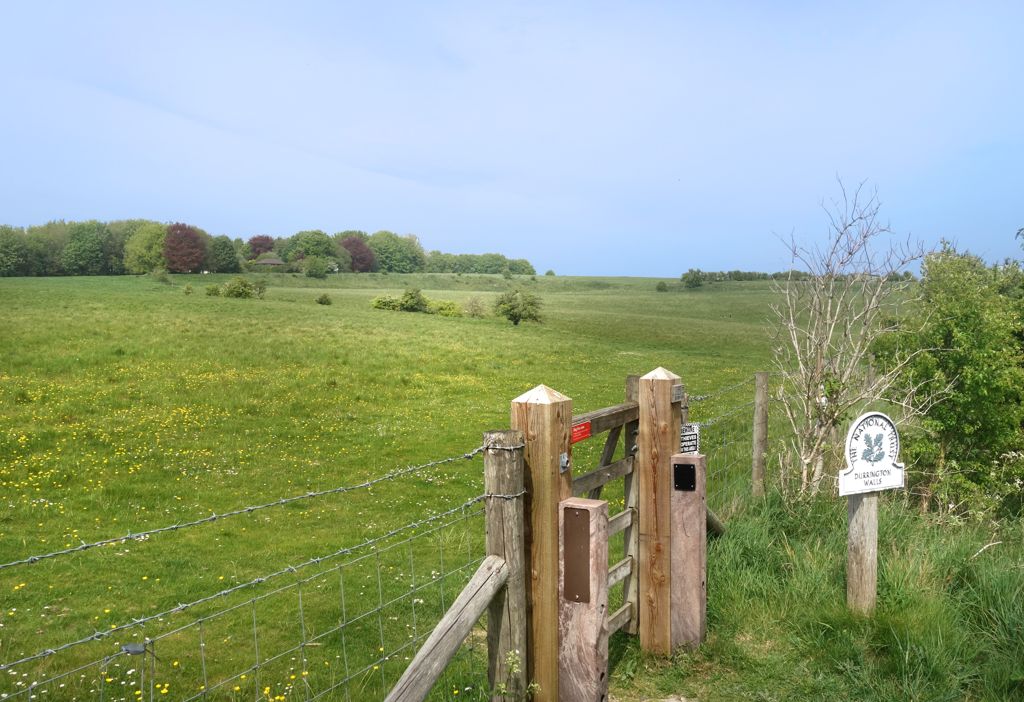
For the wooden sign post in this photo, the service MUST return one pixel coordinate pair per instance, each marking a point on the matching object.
(872, 452)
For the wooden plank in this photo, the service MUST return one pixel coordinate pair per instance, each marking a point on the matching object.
(714, 524)
(689, 555)
(601, 476)
(506, 616)
(657, 441)
(583, 625)
(620, 618)
(544, 416)
(444, 641)
(620, 522)
(631, 538)
(760, 447)
(862, 552)
(606, 418)
(619, 572)
(606, 458)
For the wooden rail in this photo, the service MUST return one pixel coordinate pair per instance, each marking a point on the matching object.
(601, 420)
(444, 641)
(601, 476)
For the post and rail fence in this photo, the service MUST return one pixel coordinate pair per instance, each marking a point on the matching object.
(562, 569)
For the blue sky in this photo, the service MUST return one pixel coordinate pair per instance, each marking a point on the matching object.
(636, 138)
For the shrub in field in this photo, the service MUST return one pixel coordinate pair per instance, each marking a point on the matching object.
(160, 276)
(549, 272)
(412, 300)
(386, 302)
(238, 287)
(316, 266)
(213, 290)
(445, 308)
(188, 289)
(662, 286)
(474, 307)
(517, 306)
(323, 299)
(260, 287)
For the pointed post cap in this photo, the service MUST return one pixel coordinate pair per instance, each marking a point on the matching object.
(541, 395)
(660, 373)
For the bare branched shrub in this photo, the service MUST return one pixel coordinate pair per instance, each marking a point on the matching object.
(825, 326)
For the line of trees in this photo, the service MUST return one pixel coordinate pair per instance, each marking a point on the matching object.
(695, 277)
(142, 246)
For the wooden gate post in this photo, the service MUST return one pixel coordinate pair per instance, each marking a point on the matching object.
(506, 616)
(760, 433)
(545, 418)
(862, 552)
(689, 549)
(583, 610)
(658, 440)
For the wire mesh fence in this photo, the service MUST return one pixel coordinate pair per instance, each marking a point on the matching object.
(341, 625)
(340, 622)
(725, 418)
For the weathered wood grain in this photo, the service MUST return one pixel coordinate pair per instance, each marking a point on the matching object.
(862, 552)
(444, 641)
(583, 658)
(601, 476)
(506, 616)
(601, 420)
(657, 441)
(760, 440)
(620, 522)
(631, 539)
(690, 557)
(545, 418)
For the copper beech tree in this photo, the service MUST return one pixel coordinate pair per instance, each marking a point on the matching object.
(825, 324)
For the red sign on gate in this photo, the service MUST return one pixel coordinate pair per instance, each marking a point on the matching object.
(579, 432)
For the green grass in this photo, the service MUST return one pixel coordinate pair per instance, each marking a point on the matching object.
(128, 405)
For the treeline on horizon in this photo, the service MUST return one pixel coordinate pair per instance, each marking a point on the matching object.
(133, 246)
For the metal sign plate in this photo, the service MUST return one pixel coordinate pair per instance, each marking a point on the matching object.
(677, 393)
(872, 452)
(579, 432)
(684, 476)
(689, 438)
(576, 555)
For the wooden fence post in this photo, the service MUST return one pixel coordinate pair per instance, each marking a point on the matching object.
(658, 440)
(506, 617)
(545, 418)
(689, 549)
(862, 552)
(760, 432)
(583, 609)
(631, 537)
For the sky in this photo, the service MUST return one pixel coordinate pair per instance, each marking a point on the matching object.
(592, 138)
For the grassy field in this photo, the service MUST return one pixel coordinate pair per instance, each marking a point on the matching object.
(128, 405)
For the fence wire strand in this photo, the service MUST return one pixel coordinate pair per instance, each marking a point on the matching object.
(143, 535)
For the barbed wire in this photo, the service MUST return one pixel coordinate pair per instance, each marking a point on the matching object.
(149, 647)
(142, 535)
(724, 416)
(720, 392)
(99, 635)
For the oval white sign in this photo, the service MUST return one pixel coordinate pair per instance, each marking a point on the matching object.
(872, 455)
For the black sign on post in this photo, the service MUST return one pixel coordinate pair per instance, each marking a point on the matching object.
(689, 438)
